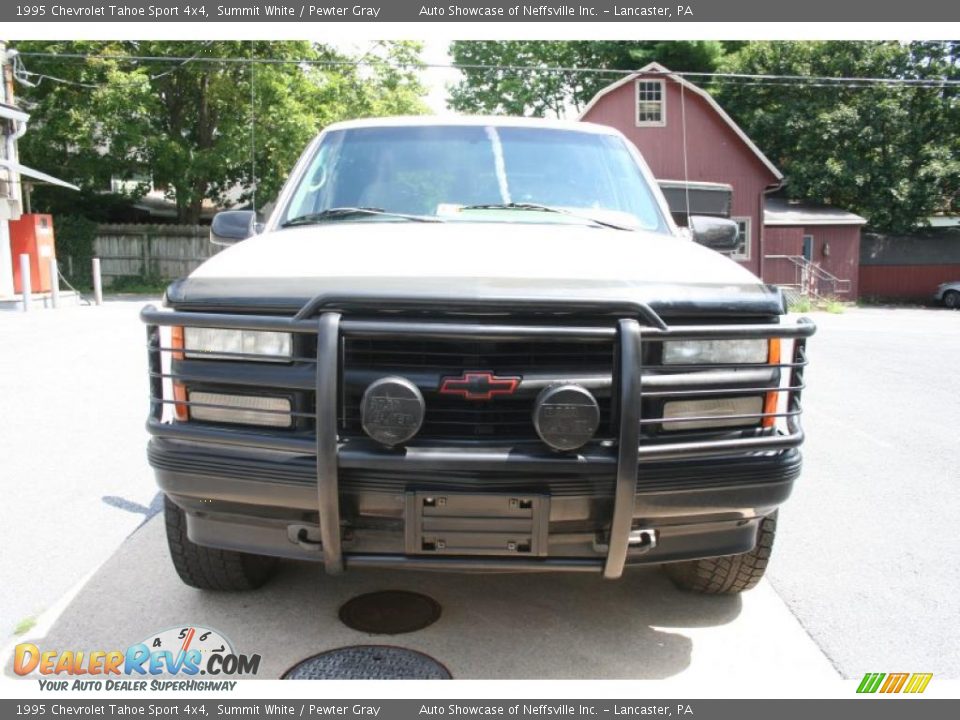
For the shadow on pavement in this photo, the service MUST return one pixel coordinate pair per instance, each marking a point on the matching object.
(491, 626)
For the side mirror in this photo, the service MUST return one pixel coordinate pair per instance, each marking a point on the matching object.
(718, 234)
(232, 226)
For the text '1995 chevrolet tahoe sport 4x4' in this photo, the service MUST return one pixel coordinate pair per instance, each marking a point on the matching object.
(478, 344)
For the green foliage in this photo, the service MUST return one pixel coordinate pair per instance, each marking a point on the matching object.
(138, 284)
(191, 126)
(75, 237)
(804, 304)
(541, 93)
(889, 153)
(104, 207)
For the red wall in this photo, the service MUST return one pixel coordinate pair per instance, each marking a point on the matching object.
(715, 153)
(843, 260)
(781, 241)
(908, 282)
(909, 267)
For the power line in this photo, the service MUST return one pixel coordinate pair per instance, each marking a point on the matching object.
(21, 73)
(825, 80)
(187, 60)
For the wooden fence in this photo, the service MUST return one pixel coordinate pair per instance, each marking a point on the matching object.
(158, 252)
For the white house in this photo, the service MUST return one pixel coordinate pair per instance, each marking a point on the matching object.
(13, 124)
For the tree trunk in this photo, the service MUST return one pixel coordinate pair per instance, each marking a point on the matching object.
(189, 213)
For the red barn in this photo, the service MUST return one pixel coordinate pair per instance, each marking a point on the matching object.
(687, 138)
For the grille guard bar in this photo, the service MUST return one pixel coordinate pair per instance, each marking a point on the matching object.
(329, 318)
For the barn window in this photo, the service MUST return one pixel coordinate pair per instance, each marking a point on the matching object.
(742, 251)
(651, 107)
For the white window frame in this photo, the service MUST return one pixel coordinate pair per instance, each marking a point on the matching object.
(662, 122)
(748, 231)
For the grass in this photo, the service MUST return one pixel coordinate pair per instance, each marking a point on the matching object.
(801, 305)
(25, 625)
(830, 305)
(137, 285)
(876, 301)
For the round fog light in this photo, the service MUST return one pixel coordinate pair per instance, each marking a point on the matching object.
(391, 410)
(566, 416)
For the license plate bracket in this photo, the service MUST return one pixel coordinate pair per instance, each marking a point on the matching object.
(450, 523)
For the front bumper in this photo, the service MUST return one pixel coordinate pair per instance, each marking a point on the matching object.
(265, 502)
(347, 503)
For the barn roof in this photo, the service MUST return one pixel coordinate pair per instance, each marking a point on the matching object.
(656, 68)
(780, 211)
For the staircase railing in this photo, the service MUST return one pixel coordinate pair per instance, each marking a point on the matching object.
(811, 280)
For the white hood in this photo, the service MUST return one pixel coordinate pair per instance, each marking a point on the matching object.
(493, 251)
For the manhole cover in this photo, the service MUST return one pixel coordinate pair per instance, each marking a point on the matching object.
(389, 612)
(368, 662)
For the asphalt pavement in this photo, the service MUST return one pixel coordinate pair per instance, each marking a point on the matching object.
(867, 547)
(554, 626)
(73, 401)
(863, 576)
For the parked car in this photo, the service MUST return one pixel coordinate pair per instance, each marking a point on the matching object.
(474, 344)
(949, 294)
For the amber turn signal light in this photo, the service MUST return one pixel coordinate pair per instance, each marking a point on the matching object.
(180, 409)
(771, 399)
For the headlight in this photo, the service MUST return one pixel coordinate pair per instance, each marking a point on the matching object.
(695, 352)
(218, 344)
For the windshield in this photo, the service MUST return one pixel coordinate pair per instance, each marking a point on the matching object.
(448, 171)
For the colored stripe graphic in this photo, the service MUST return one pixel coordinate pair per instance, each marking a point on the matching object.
(918, 682)
(894, 683)
(870, 682)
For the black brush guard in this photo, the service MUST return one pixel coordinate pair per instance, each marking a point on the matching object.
(331, 318)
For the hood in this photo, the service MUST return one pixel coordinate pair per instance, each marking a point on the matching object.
(283, 270)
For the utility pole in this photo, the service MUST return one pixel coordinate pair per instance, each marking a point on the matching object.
(8, 152)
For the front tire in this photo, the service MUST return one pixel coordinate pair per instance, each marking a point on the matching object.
(951, 299)
(727, 574)
(209, 568)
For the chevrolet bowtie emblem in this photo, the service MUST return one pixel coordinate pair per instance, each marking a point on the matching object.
(479, 385)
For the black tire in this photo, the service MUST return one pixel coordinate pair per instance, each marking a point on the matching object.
(951, 298)
(208, 568)
(727, 574)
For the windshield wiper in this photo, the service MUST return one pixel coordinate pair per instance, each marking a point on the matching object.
(344, 212)
(547, 208)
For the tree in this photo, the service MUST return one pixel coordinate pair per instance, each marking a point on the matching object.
(199, 124)
(495, 88)
(888, 152)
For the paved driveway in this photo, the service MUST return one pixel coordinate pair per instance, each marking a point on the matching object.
(868, 546)
(75, 481)
(491, 626)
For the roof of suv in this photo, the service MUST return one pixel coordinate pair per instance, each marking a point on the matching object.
(467, 120)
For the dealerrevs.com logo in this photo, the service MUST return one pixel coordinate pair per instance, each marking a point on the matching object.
(183, 652)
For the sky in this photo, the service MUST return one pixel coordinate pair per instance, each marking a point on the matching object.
(435, 79)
